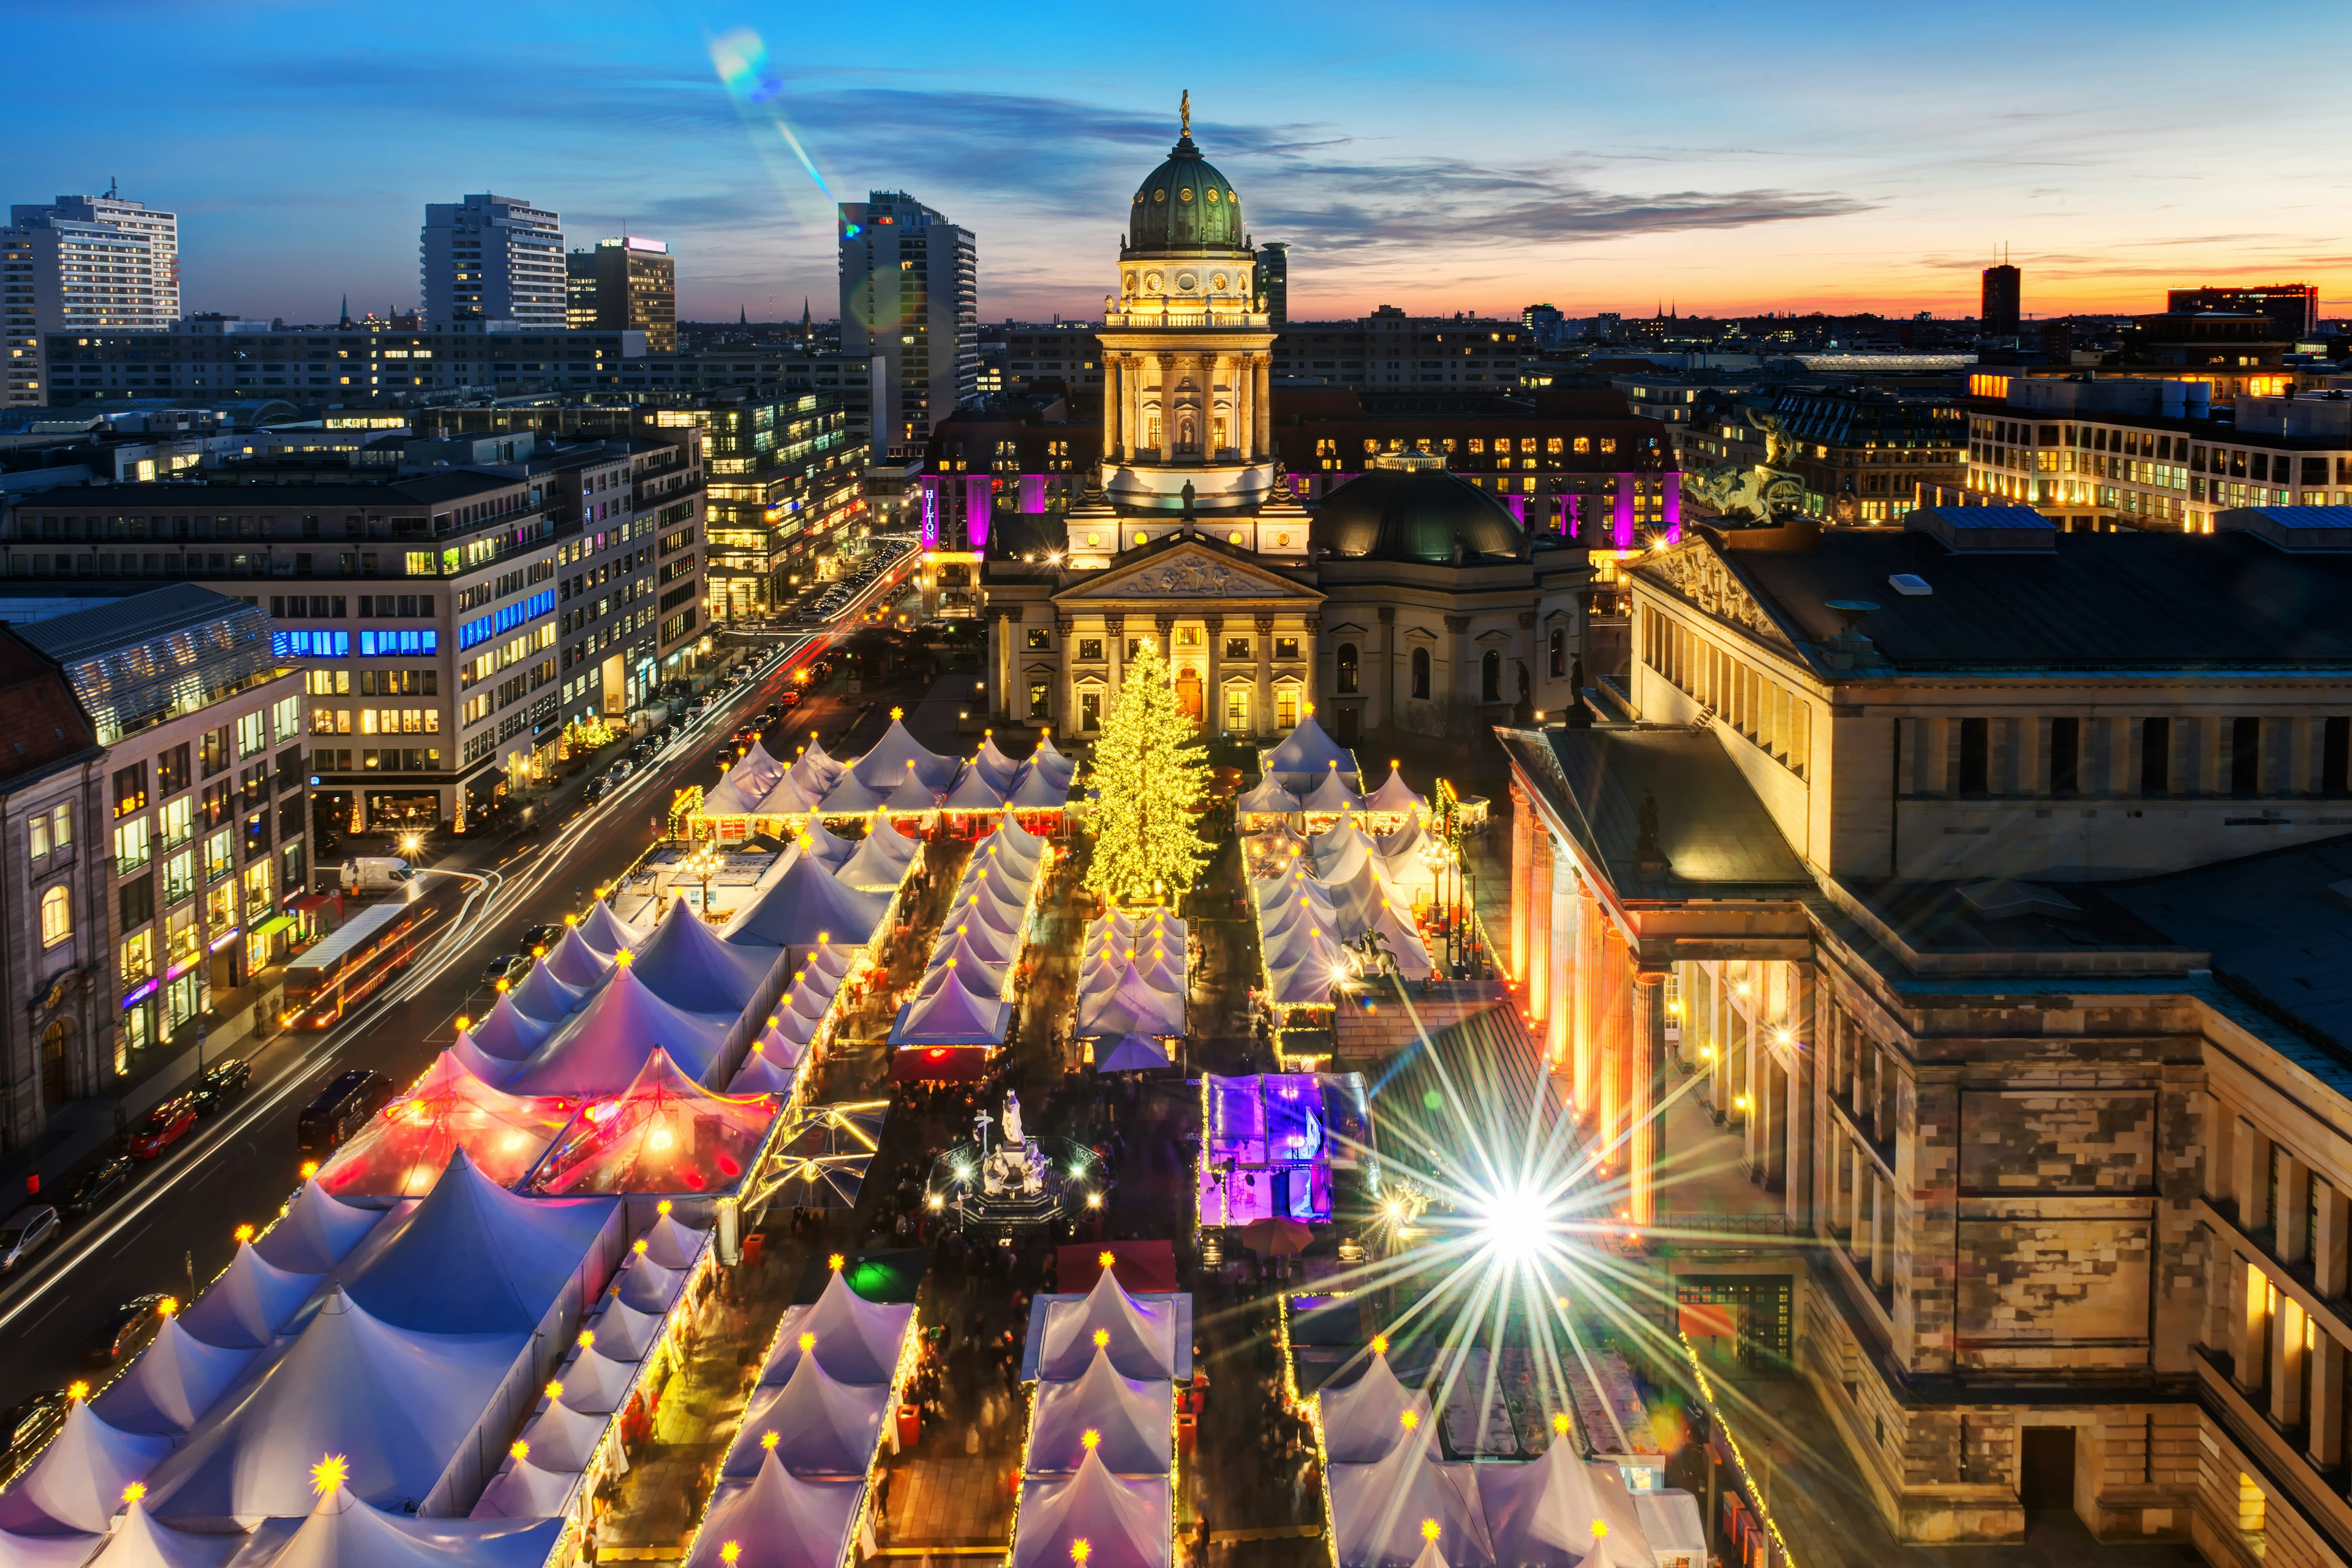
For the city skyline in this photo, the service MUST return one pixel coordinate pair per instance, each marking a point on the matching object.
(1521, 156)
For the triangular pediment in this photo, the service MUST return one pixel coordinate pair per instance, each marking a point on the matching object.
(1188, 569)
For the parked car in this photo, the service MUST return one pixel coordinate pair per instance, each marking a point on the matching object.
(162, 1127)
(594, 792)
(125, 1330)
(29, 1423)
(539, 938)
(222, 1082)
(96, 1187)
(25, 1233)
(621, 768)
(506, 966)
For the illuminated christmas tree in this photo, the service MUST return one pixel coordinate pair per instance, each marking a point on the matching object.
(1152, 775)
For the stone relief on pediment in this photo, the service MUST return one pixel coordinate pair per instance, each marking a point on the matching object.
(1187, 575)
(1701, 577)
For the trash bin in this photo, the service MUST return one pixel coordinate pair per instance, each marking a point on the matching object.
(911, 1425)
(752, 1246)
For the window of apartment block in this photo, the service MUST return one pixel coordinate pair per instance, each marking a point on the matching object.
(171, 773)
(130, 789)
(2155, 756)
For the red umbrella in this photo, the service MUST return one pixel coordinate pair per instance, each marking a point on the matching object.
(1276, 1237)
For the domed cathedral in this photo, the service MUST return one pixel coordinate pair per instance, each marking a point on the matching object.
(1411, 601)
(1187, 352)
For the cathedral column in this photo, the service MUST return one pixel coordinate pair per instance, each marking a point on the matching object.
(1642, 1148)
(1130, 433)
(1262, 404)
(1114, 402)
(1115, 645)
(1537, 973)
(1523, 833)
(1245, 375)
(1261, 715)
(1213, 695)
(1167, 379)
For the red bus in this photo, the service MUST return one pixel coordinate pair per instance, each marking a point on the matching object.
(337, 973)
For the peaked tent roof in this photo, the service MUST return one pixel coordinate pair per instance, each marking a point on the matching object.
(813, 770)
(1128, 1418)
(762, 1073)
(606, 932)
(912, 792)
(576, 962)
(976, 790)
(737, 795)
(486, 1068)
(543, 999)
(316, 1233)
(403, 1148)
(1361, 1422)
(607, 1046)
(1541, 1513)
(138, 1542)
(808, 902)
(523, 1489)
(1307, 750)
(1142, 1336)
(511, 1031)
(78, 1481)
(884, 765)
(1039, 789)
(343, 1531)
(173, 1383)
(1127, 1523)
(664, 1133)
(1395, 795)
(251, 1301)
(68, 1550)
(1378, 1512)
(1133, 1007)
(823, 1428)
(672, 1243)
(857, 1341)
(686, 965)
(778, 1519)
(1269, 796)
(563, 1438)
(1134, 1053)
(822, 843)
(621, 1331)
(759, 770)
(872, 868)
(594, 1382)
(852, 796)
(950, 1016)
(475, 1259)
(785, 798)
(395, 1404)
(990, 759)
(1330, 794)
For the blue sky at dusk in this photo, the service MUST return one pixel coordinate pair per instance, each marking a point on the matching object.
(1463, 156)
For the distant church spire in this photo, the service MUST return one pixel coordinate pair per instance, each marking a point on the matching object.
(347, 311)
(742, 315)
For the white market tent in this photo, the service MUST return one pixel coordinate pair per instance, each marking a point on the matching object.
(77, 1483)
(1142, 1342)
(344, 1531)
(577, 962)
(314, 1234)
(885, 767)
(1126, 1523)
(1130, 1418)
(821, 1427)
(686, 965)
(1541, 1513)
(778, 1519)
(607, 932)
(1380, 1510)
(807, 904)
(605, 1046)
(856, 1341)
(475, 1259)
(174, 1381)
(253, 1299)
(950, 1015)
(1363, 1422)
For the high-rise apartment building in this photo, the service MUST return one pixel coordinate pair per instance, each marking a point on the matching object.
(626, 284)
(910, 296)
(2003, 299)
(2292, 308)
(82, 263)
(492, 258)
(1274, 280)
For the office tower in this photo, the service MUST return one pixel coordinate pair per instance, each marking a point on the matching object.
(579, 289)
(624, 285)
(910, 296)
(1274, 280)
(2293, 309)
(492, 258)
(2002, 297)
(94, 262)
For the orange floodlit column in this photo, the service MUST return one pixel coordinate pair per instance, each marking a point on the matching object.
(1522, 875)
(1539, 964)
(1648, 1036)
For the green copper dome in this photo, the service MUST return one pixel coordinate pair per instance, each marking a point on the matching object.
(1186, 206)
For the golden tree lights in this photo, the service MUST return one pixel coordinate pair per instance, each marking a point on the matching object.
(1152, 779)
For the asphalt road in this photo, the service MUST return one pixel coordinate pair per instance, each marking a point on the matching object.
(176, 1222)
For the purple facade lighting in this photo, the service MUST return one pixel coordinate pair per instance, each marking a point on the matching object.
(1623, 525)
(931, 512)
(1033, 494)
(977, 500)
(1674, 489)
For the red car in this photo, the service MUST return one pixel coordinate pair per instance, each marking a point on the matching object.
(162, 1127)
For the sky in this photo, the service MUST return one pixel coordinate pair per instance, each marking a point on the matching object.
(1478, 156)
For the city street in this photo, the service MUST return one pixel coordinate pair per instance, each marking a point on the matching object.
(175, 1227)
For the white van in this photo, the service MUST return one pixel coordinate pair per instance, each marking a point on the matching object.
(376, 874)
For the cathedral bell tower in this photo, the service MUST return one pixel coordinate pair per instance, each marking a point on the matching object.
(1187, 349)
